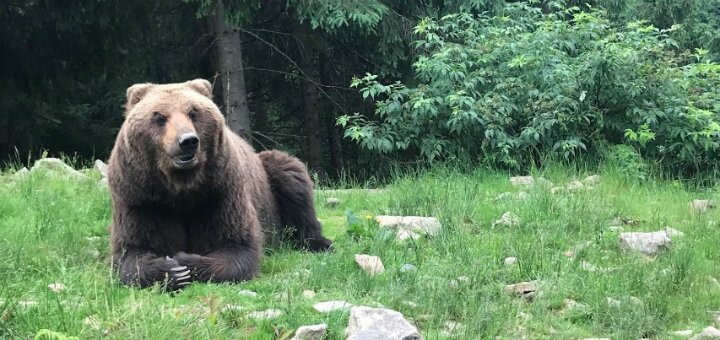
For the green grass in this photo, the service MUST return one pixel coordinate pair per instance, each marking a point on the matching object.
(52, 230)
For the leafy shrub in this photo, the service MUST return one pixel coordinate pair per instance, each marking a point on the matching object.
(625, 160)
(513, 88)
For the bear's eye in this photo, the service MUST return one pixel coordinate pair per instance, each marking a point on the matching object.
(192, 114)
(159, 119)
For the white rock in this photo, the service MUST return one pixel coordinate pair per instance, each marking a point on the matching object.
(265, 314)
(588, 267)
(313, 332)
(525, 289)
(281, 296)
(708, 333)
(673, 232)
(574, 185)
(55, 166)
(332, 306)
(522, 195)
(248, 293)
(591, 180)
(701, 206)
(308, 294)
(232, 307)
(648, 243)
(22, 173)
(27, 304)
(612, 302)
(522, 180)
(410, 227)
(100, 167)
(332, 202)
(56, 287)
(508, 219)
(685, 333)
(368, 323)
(370, 264)
(406, 268)
(509, 261)
(92, 322)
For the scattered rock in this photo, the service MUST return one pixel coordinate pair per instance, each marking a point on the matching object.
(265, 314)
(55, 166)
(701, 206)
(410, 227)
(685, 333)
(708, 333)
(248, 293)
(308, 294)
(378, 323)
(591, 180)
(570, 254)
(454, 283)
(555, 190)
(523, 289)
(648, 243)
(332, 306)
(27, 304)
(509, 261)
(370, 264)
(520, 196)
(574, 185)
(406, 268)
(522, 180)
(332, 202)
(673, 232)
(232, 308)
(507, 219)
(589, 267)
(451, 327)
(22, 173)
(410, 304)
(612, 302)
(570, 304)
(282, 296)
(313, 332)
(56, 287)
(100, 167)
(92, 322)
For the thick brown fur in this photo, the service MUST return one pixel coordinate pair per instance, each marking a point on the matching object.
(177, 221)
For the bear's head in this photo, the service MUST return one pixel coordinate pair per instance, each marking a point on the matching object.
(174, 128)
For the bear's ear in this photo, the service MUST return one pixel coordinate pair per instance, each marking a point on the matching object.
(136, 92)
(201, 86)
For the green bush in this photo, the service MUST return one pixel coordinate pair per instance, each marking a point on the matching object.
(516, 87)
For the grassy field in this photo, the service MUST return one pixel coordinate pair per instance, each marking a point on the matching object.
(55, 230)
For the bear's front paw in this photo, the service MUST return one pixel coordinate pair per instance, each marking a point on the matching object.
(319, 244)
(178, 276)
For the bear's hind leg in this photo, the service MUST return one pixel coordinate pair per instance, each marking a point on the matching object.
(293, 190)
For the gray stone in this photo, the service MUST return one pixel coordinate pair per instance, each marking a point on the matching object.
(56, 167)
(370, 264)
(683, 334)
(648, 243)
(368, 323)
(509, 261)
(574, 185)
(56, 287)
(313, 332)
(265, 314)
(508, 219)
(708, 333)
(522, 180)
(248, 293)
(406, 268)
(410, 227)
(100, 167)
(22, 173)
(524, 289)
(332, 306)
(591, 180)
(332, 202)
(673, 232)
(308, 294)
(701, 206)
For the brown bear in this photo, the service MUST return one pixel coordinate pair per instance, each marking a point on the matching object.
(191, 200)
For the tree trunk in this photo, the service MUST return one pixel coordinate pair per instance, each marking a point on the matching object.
(311, 116)
(231, 74)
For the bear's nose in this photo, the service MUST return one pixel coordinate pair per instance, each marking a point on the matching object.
(188, 142)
